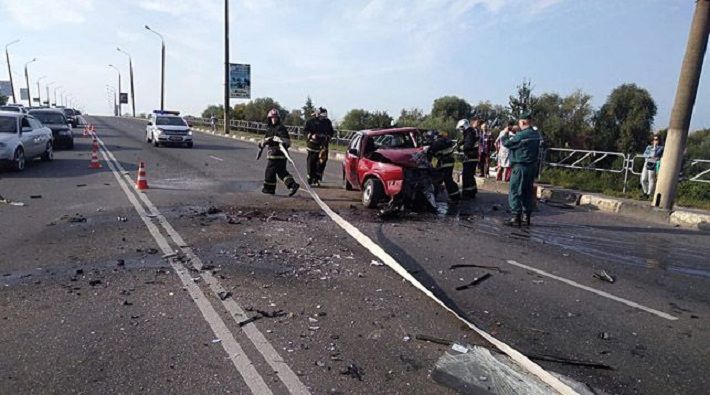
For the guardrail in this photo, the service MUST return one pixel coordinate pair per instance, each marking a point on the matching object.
(695, 170)
(341, 137)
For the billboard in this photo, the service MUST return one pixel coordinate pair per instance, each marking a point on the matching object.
(5, 89)
(24, 94)
(239, 81)
(124, 98)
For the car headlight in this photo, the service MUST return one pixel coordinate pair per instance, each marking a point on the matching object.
(189, 132)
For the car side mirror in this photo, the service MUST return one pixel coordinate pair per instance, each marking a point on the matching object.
(352, 151)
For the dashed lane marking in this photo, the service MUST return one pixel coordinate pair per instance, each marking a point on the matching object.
(216, 158)
(595, 291)
(237, 355)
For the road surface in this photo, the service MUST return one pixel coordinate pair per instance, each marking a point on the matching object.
(268, 294)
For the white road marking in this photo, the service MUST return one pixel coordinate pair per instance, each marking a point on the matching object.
(216, 158)
(275, 361)
(380, 253)
(595, 291)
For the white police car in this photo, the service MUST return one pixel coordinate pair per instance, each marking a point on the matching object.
(168, 127)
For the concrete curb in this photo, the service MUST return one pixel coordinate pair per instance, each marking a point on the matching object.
(697, 219)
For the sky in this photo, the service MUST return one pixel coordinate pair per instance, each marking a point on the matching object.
(345, 54)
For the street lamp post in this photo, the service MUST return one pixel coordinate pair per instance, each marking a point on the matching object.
(112, 91)
(27, 80)
(133, 92)
(162, 68)
(39, 91)
(119, 87)
(9, 70)
(49, 100)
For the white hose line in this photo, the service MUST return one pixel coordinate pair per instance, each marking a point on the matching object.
(377, 251)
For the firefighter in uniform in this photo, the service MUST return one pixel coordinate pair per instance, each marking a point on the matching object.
(313, 146)
(524, 149)
(470, 156)
(442, 149)
(326, 129)
(276, 135)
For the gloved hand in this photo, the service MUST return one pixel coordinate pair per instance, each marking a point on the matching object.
(276, 139)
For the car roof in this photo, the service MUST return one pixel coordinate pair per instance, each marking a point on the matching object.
(12, 114)
(378, 132)
(53, 110)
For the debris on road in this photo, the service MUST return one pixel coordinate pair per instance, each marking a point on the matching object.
(35, 196)
(432, 339)
(376, 263)
(475, 282)
(151, 251)
(464, 265)
(604, 276)
(215, 341)
(604, 336)
(224, 295)
(76, 218)
(121, 219)
(353, 371)
(170, 255)
(94, 283)
(575, 362)
(459, 348)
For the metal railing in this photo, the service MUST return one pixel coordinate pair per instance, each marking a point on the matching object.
(341, 137)
(695, 170)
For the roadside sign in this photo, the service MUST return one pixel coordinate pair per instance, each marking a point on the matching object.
(239, 81)
(5, 89)
(24, 94)
(124, 98)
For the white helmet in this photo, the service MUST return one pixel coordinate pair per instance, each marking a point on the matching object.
(463, 124)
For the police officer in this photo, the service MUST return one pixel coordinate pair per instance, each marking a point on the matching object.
(276, 135)
(470, 156)
(442, 149)
(524, 149)
(313, 146)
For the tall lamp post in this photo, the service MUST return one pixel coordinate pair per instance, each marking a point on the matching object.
(9, 70)
(226, 67)
(39, 91)
(56, 88)
(27, 80)
(113, 93)
(49, 100)
(162, 68)
(133, 92)
(119, 87)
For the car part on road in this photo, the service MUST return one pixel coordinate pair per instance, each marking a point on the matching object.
(604, 276)
(475, 282)
(452, 267)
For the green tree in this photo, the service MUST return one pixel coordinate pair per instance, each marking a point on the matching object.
(3, 100)
(524, 101)
(359, 119)
(565, 121)
(624, 121)
(699, 144)
(412, 117)
(294, 118)
(452, 107)
(238, 111)
(308, 108)
(257, 109)
(216, 110)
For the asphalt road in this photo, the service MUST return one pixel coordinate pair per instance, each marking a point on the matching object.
(268, 294)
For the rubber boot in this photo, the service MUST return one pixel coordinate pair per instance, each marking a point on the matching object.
(514, 221)
(526, 219)
(294, 188)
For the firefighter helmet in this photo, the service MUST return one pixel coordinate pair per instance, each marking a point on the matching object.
(463, 124)
(273, 113)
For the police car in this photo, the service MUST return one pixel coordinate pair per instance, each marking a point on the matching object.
(168, 127)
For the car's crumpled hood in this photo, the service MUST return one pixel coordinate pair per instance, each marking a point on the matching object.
(405, 157)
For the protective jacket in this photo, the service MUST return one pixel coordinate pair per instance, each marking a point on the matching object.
(274, 133)
(470, 145)
(443, 150)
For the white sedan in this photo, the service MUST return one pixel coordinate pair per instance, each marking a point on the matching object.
(23, 137)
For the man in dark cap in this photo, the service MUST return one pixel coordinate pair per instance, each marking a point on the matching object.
(524, 149)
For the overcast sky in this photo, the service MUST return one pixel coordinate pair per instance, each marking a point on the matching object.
(372, 54)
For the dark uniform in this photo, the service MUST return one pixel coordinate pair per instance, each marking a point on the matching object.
(443, 150)
(313, 146)
(276, 165)
(470, 162)
(326, 129)
(524, 149)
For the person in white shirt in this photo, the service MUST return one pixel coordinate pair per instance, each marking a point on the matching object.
(504, 169)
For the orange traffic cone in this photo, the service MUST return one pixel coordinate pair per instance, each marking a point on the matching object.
(95, 164)
(142, 181)
(86, 131)
(92, 129)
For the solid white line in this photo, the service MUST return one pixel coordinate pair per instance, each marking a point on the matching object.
(216, 158)
(380, 253)
(272, 357)
(595, 291)
(235, 352)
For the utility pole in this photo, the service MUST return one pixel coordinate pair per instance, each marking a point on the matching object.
(226, 67)
(162, 68)
(49, 100)
(9, 70)
(119, 88)
(133, 92)
(39, 91)
(686, 93)
(27, 80)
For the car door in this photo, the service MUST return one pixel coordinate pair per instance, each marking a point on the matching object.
(28, 137)
(352, 157)
(40, 135)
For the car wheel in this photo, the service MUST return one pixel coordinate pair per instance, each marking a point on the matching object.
(372, 193)
(18, 161)
(48, 154)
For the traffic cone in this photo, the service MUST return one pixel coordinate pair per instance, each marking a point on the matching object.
(95, 164)
(86, 131)
(142, 181)
(92, 128)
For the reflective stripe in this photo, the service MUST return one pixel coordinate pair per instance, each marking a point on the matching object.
(445, 165)
(470, 160)
(470, 189)
(455, 193)
(276, 157)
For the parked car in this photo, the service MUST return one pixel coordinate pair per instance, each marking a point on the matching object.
(55, 120)
(72, 116)
(167, 127)
(389, 165)
(23, 137)
(14, 108)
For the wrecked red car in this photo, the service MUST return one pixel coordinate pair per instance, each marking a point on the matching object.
(389, 166)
